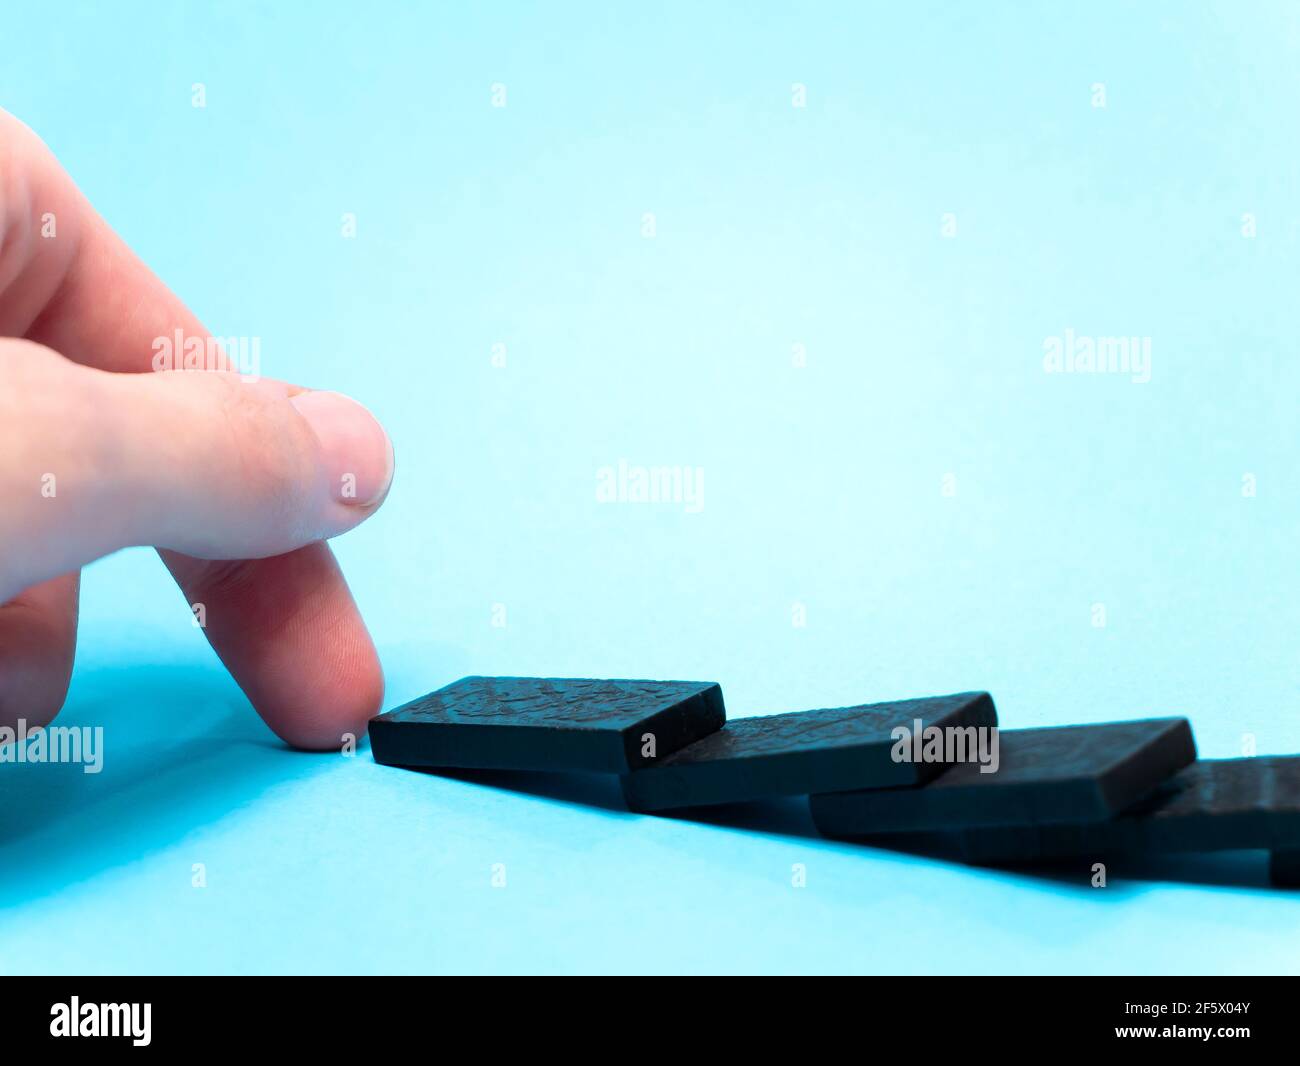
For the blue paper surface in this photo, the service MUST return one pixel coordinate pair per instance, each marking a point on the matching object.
(834, 318)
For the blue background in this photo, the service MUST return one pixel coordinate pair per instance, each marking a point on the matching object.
(775, 226)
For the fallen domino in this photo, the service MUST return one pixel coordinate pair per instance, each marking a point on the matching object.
(1061, 774)
(1044, 794)
(591, 725)
(807, 751)
(534, 723)
(1212, 805)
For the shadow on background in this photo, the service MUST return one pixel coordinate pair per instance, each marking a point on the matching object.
(181, 747)
(790, 817)
(584, 790)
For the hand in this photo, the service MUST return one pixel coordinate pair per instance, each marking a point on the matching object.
(98, 453)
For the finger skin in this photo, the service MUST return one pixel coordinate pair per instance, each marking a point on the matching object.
(201, 463)
(243, 476)
(81, 291)
(85, 294)
(38, 640)
(304, 650)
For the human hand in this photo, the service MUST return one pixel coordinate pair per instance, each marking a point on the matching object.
(236, 482)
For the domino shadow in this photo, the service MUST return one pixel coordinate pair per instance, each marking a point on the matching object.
(1246, 869)
(599, 791)
(790, 818)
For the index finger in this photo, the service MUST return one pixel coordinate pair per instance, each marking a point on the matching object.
(286, 627)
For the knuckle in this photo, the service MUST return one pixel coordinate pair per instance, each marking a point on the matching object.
(18, 360)
(52, 450)
(42, 401)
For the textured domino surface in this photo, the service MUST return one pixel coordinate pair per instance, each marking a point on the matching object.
(793, 754)
(1065, 774)
(532, 723)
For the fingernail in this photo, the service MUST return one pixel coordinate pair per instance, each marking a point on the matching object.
(358, 455)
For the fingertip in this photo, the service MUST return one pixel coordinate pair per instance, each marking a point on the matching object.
(329, 710)
(35, 686)
(355, 451)
(291, 635)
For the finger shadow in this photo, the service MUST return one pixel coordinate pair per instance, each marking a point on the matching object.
(180, 747)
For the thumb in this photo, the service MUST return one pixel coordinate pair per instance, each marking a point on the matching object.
(203, 463)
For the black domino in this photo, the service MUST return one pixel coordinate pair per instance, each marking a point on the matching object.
(556, 724)
(794, 754)
(1065, 774)
(1212, 805)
